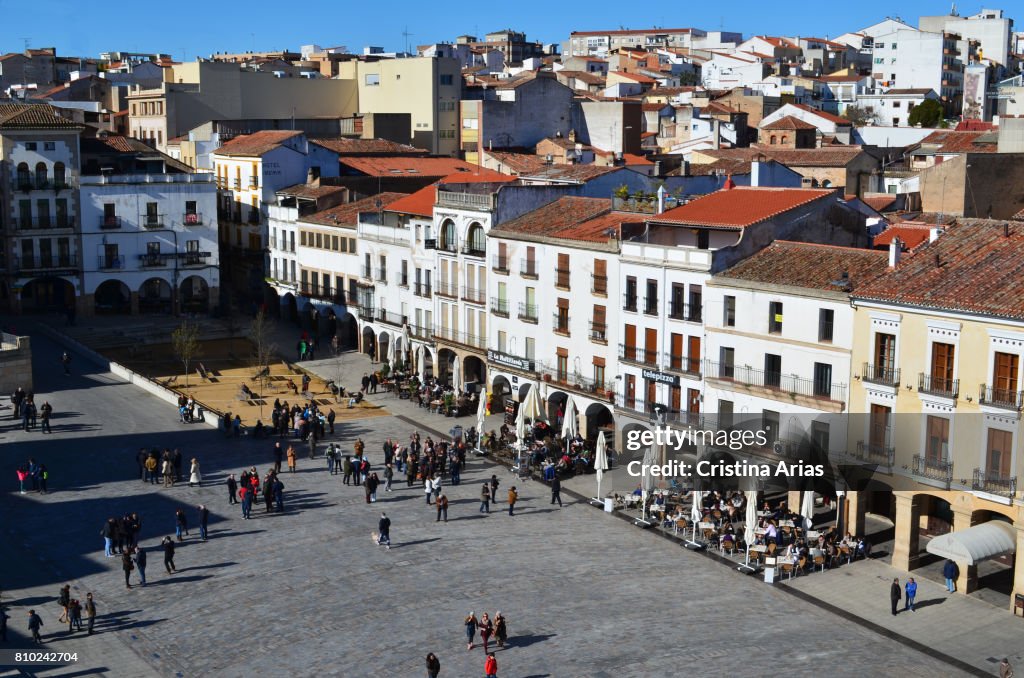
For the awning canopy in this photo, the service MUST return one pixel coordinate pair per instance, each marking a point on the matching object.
(981, 542)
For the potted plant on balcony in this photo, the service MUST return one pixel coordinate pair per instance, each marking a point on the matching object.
(449, 404)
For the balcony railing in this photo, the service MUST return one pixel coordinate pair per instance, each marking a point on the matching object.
(678, 363)
(152, 260)
(629, 302)
(499, 306)
(474, 295)
(43, 223)
(528, 312)
(576, 382)
(464, 338)
(1001, 397)
(634, 404)
(635, 354)
(940, 386)
(688, 312)
(196, 258)
(391, 318)
(562, 278)
(776, 381)
(599, 284)
(152, 220)
(40, 263)
(875, 453)
(651, 305)
(472, 249)
(446, 289)
(420, 331)
(365, 272)
(108, 263)
(192, 219)
(561, 323)
(528, 268)
(499, 263)
(326, 293)
(402, 279)
(933, 469)
(382, 275)
(988, 481)
(422, 290)
(880, 374)
(599, 332)
(365, 313)
(107, 223)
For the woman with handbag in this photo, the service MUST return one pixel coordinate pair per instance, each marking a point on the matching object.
(486, 630)
(471, 624)
(500, 629)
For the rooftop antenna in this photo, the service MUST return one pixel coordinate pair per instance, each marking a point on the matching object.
(406, 34)
(26, 40)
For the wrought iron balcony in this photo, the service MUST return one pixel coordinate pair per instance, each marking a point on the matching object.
(153, 220)
(687, 312)
(422, 290)
(940, 386)
(635, 354)
(499, 306)
(885, 375)
(528, 268)
(933, 469)
(107, 223)
(994, 483)
(560, 323)
(528, 312)
(679, 363)
(599, 332)
(789, 384)
(876, 453)
(192, 219)
(1006, 399)
(499, 263)
(474, 295)
(109, 263)
(599, 284)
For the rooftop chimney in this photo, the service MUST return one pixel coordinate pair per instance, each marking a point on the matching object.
(661, 199)
(934, 233)
(895, 252)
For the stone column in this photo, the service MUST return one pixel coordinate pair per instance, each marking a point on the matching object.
(906, 545)
(968, 579)
(855, 510)
(793, 500)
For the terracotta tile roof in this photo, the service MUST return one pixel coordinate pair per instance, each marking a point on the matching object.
(566, 143)
(655, 107)
(911, 235)
(1019, 216)
(974, 125)
(258, 143)
(389, 166)
(636, 77)
(842, 78)
(879, 203)
(827, 116)
(33, 116)
(810, 266)
(421, 203)
(949, 141)
(776, 42)
(720, 166)
(788, 123)
(570, 218)
(310, 191)
(520, 163)
(833, 156)
(348, 214)
(972, 267)
(365, 146)
(518, 81)
(575, 173)
(634, 159)
(741, 206)
(642, 31)
(583, 76)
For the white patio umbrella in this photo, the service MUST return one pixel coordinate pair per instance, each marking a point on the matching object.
(531, 405)
(600, 462)
(750, 523)
(419, 363)
(391, 352)
(695, 512)
(457, 374)
(405, 343)
(570, 425)
(481, 412)
(646, 479)
(807, 509)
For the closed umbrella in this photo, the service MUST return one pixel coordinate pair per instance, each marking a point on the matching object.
(695, 513)
(751, 523)
(807, 509)
(646, 479)
(456, 374)
(405, 341)
(531, 405)
(391, 352)
(481, 412)
(570, 425)
(600, 461)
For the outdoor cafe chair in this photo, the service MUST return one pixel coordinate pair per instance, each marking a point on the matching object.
(819, 559)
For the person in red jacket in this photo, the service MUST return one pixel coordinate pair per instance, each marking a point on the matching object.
(491, 666)
(245, 496)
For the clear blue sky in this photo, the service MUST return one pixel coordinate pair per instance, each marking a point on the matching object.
(190, 27)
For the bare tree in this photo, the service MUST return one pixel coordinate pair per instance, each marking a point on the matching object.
(185, 340)
(860, 116)
(263, 351)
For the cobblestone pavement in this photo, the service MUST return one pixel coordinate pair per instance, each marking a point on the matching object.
(306, 592)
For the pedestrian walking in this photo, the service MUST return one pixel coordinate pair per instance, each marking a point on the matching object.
(232, 489)
(494, 487)
(512, 497)
(911, 593)
(34, 624)
(433, 665)
(64, 600)
(500, 629)
(194, 476)
(245, 494)
(66, 361)
(330, 419)
(491, 666)
(278, 456)
(291, 459)
(151, 467)
(140, 563)
(556, 490)
(90, 613)
(485, 499)
(951, 572)
(370, 487)
(1005, 669)
(428, 488)
(486, 627)
(127, 565)
(346, 469)
(389, 475)
(107, 532)
(384, 531)
(204, 518)
(74, 616)
(471, 623)
(180, 524)
(894, 595)
(442, 508)
(46, 412)
(168, 545)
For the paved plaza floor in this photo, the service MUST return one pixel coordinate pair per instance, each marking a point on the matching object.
(306, 593)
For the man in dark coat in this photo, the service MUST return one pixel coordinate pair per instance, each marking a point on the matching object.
(895, 593)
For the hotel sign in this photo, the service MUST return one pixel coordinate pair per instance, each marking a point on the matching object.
(513, 361)
(661, 377)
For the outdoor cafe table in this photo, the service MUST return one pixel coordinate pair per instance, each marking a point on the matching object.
(759, 548)
(786, 523)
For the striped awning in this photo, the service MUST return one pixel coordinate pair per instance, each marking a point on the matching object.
(981, 542)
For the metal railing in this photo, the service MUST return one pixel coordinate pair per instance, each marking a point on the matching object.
(192, 219)
(107, 223)
(528, 312)
(365, 272)
(499, 306)
(420, 331)
(560, 323)
(679, 363)
(987, 481)
(365, 313)
(629, 302)
(382, 275)
(598, 331)
(152, 220)
(499, 263)
(464, 338)
(776, 381)
(474, 249)
(651, 305)
(932, 469)
(44, 222)
(528, 268)
(562, 276)
(599, 284)
(474, 295)
(688, 312)
(576, 382)
(195, 258)
(106, 263)
(446, 289)
(636, 354)
(880, 374)
(941, 386)
(152, 260)
(1000, 397)
(402, 279)
(44, 263)
(391, 318)
(875, 453)
(422, 290)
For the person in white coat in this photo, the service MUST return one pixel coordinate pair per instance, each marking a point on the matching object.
(195, 477)
(428, 488)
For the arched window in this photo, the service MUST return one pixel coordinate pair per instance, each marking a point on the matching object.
(784, 138)
(826, 184)
(772, 140)
(24, 177)
(59, 175)
(41, 175)
(814, 183)
(448, 240)
(475, 239)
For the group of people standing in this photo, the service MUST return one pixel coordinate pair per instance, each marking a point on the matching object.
(154, 464)
(248, 488)
(33, 473)
(23, 406)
